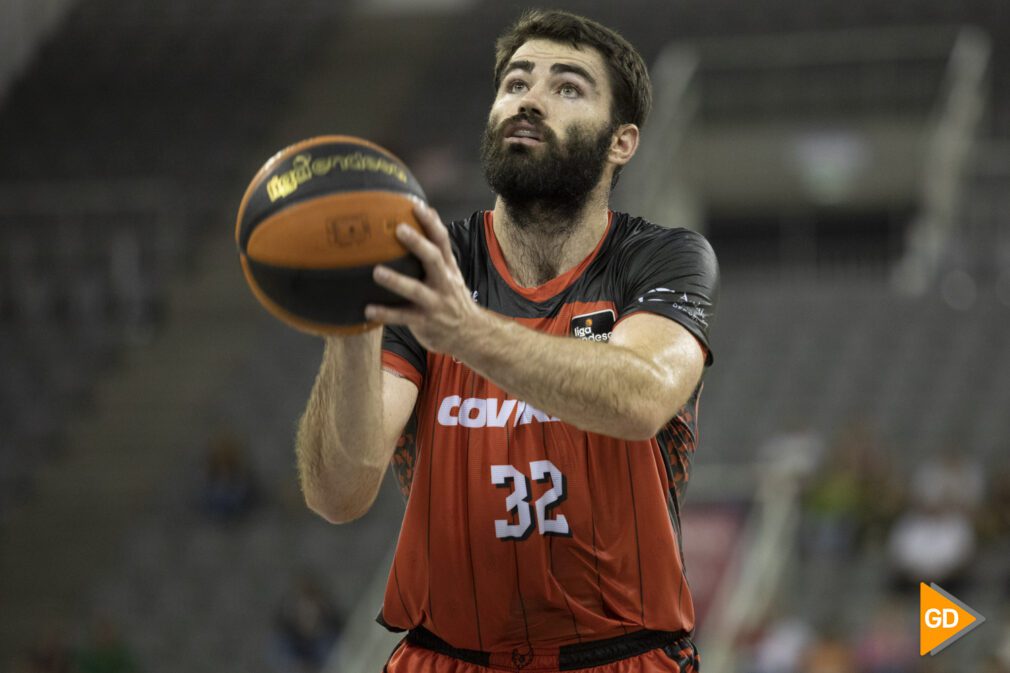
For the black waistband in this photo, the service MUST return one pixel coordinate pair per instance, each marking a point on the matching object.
(570, 657)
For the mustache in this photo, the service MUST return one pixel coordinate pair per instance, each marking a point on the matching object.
(545, 132)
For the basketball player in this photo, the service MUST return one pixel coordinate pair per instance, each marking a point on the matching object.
(537, 396)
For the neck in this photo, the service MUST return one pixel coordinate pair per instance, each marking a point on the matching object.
(540, 243)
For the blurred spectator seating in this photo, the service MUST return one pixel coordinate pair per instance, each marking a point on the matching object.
(105, 651)
(230, 489)
(126, 141)
(307, 626)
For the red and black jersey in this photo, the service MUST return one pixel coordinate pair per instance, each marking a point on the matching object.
(520, 529)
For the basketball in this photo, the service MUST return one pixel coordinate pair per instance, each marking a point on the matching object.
(315, 220)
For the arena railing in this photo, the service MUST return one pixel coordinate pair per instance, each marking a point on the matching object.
(25, 25)
(365, 646)
(655, 185)
(953, 125)
(764, 553)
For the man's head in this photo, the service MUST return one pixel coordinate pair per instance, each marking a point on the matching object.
(570, 96)
(627, 77)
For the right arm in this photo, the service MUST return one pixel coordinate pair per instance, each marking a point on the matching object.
(351, 423)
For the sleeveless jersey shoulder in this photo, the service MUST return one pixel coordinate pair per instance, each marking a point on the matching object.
(670, 272)
(402, 353)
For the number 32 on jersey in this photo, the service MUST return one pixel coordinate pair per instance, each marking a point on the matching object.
(518, 501)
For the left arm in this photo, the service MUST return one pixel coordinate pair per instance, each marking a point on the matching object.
(628, 388)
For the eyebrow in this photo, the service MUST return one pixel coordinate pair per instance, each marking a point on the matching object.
(557, 68)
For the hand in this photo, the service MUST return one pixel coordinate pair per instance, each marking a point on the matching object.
(441, 309)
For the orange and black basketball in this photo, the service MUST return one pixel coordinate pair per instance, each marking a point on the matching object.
(317, 217)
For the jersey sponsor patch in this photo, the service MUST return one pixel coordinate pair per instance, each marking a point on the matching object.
(595, 326)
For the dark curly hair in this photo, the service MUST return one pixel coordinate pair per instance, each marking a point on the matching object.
(629, 78)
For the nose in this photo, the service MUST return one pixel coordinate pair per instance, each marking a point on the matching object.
(531, 103)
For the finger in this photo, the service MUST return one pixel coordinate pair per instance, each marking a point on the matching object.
(436, 231)
(425, 250)
(388, 315)
(409, 288)
(417, 200)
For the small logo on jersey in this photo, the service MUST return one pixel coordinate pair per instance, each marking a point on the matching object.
(522, 658)
(683, 303)
(594, 326)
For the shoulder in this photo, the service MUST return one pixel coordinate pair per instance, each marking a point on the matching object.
(638, 241)
(466, 233)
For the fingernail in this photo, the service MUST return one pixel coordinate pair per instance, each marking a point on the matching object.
(370, 312)
(380, 271)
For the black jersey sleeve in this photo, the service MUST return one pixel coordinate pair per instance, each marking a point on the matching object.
(674, 273)
(399, 340)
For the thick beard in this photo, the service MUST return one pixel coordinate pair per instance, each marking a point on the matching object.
(545, 192)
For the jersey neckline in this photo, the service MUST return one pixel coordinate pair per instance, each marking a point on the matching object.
(553, 286)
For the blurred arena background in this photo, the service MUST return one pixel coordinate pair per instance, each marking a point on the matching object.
(848, 159)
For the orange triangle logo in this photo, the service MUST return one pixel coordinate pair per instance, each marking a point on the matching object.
(942, 619)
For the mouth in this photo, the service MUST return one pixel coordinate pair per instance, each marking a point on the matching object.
(522, 133)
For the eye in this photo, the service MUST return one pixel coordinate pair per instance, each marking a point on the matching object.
(569, 91)
(515, 86)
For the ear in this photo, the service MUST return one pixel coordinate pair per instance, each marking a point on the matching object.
(624, 145)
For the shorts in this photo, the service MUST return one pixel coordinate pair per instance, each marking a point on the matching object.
(640, 652)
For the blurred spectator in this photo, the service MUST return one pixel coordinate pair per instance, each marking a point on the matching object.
(852, 497)
(797, 447)
(1001, 657)
(995, 518)
(994, 664)
(888, 644)
(230, 489)
(308, 626)
(832, 511)
(50, 654)
(106, 653)
(951, 480)
(829, 654)
(780, 649)
(883, 494)
(931, 543)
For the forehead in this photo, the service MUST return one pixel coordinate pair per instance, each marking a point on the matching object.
(545, 53)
